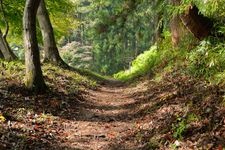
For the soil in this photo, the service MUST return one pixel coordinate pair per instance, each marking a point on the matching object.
(178, 112)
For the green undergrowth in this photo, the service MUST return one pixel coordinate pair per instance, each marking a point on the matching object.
(203, 60)
(54, 76)
(12, 70)
(207, 61)
(143, 64)
(70, 80)
(182, 124)
(159, 57)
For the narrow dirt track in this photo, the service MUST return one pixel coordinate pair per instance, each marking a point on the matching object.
(146, 116)
(104, 122)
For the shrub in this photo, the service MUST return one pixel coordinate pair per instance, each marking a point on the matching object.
(143, 64)
(207, 59)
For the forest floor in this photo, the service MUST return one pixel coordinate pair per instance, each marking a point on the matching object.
(177, 112)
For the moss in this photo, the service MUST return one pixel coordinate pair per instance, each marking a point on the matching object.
(54, 76)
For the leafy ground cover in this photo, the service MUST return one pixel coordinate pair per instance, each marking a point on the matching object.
(176, 111)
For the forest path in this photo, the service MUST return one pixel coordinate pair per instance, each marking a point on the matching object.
(105, 119)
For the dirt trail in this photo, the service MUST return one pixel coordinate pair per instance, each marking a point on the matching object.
(146, 117)
(152, 115)
(104, 122)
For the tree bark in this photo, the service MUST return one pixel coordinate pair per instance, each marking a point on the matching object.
(51, 53)
(5, 49)
(196, 23)
(158, 28)
(34, 77)
(176, 26)
(176, 30)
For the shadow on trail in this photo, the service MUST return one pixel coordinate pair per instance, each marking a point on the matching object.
(175, 102)
(75, 106)
(161, 105)
(72, 107)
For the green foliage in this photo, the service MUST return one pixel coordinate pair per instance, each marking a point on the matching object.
(211, 8)
(143, 64)
(77, 55)
(62, 16)
(192, 118)
(182, 123)
(162, 56)
(54, 76)
(179, 128)
(12, 70)
(218, 78)
(73, 80)
(117, 30)
(57, 10)
(207, 59)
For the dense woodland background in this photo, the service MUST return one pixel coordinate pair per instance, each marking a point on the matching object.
(106, 36)
(152, 67)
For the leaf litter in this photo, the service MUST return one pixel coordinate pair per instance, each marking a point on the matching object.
(179, 112)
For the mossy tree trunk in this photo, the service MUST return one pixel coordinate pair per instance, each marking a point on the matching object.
(34, 77)
(51, 53)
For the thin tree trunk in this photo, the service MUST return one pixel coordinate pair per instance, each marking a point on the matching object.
(159, 28)
(133, 44)
(34, 77)
(50, 48)
(5, 49)
(176, 30)
(176, 26)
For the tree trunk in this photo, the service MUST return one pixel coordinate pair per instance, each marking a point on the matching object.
(1, 55)
(50, 48)
(196, 23)
(176, 30)
(176, 26)
(34, 77)
(159, 28)
(5, 49)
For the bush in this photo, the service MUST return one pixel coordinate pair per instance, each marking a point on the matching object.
(143, 64)
(207, 59)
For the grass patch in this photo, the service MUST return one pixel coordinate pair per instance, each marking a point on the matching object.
(54, 76)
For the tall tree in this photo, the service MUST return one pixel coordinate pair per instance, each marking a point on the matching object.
(50, 48)
(34, 77)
